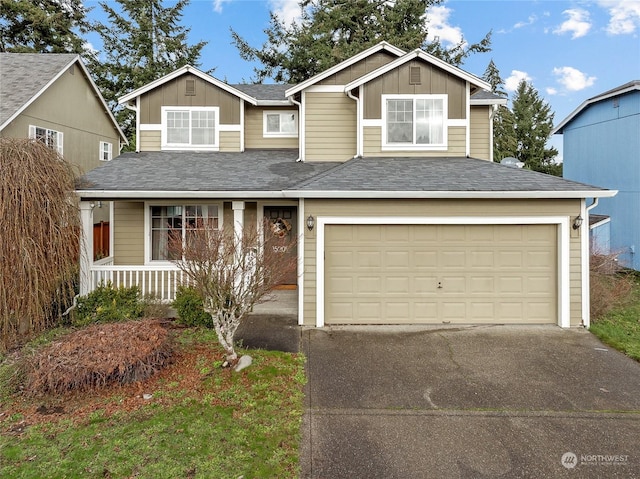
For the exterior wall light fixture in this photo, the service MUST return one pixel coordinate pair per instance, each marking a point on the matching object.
(311, 222)
(577, 223)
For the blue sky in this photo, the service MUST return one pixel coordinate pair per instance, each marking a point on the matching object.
(569, 50)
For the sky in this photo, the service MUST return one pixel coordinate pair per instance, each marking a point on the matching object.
(569, 51)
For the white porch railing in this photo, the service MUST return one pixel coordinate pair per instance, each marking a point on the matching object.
(159, 281)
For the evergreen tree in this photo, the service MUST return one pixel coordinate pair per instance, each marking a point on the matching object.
(331, 31)
(533, 123)
(504, 138)
(142, 42)
(45, 26)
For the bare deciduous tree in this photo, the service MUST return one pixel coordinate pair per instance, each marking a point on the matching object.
(231, 272)
(40, 228)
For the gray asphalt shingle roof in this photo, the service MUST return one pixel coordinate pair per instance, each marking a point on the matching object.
(435, 174)
(264, 91)
(277, 170)
(24, 75)
(253, 170)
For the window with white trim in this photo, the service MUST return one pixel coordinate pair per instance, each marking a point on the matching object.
(190, 128)
(170, 220)
(280, 124)
(414, 121)
(106, 151)
(51, 138)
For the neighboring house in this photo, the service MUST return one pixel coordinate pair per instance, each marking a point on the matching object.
(601, 144)
(51, 97)
(381, 166)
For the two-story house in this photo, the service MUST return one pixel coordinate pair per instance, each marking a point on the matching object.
(51, 97)
(601, 140)
(380, 167)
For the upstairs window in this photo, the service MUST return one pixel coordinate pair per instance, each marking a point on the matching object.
(51, 138)
(281, 124)
(106, 151)
(169, 221)
(190, 128)
(414, 122)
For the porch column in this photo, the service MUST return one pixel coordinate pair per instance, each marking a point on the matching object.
(238, 223)
(86, 247)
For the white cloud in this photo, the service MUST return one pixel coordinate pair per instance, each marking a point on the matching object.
(511, 83)
(287, 11)
(572, 79)
(217, 5)
(437, 19)
(530, 21)
(624, 16)
(551, 91)
(578, 23)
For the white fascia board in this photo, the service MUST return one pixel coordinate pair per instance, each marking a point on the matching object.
(450, 194)
(348, 62)
(488, 102)
(273, 103)
(474, 80)
(558, 129)
(179, 72)
(157, 195)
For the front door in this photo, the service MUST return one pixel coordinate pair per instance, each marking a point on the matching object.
(283, 222)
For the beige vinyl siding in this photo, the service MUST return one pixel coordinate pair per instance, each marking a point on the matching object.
(83, 128)
(253, 130)
(173, 93)
(480, 132)
(355, 71)
(150, 140)
(457, 144)
(128, 233)
(476, 208)
(230, 141)
(330, 127)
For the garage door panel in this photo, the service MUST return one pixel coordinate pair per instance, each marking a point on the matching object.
(474, 273)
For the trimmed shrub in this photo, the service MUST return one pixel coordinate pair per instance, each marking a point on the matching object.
(107, 304)
(188, 305)
(99, 355)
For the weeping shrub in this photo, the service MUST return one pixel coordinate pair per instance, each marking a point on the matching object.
(40, 225)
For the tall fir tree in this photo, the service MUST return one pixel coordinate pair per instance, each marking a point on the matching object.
(504, 138)
(142, 41)
(533, 124)
(45, 26)
(331, 31)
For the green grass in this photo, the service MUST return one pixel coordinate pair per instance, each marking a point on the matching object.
(620, 329)
(235, 424)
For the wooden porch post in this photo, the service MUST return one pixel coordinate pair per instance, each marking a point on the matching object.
(86, 246)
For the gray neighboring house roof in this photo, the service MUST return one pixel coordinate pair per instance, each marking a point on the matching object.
(23, 76)
(275, 173)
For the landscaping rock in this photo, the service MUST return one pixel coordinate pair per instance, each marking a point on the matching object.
(243, 362)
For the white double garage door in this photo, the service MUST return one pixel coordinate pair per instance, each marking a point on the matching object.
(440, 273)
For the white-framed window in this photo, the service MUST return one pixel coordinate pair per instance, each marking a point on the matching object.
(190, 128)
(282, 124)
(106, 151)
(51, 138)
(414, 122)
(169, 220)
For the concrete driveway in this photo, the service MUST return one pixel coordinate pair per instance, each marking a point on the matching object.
(473, 402)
